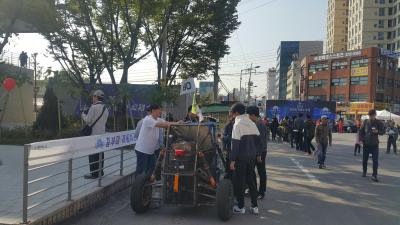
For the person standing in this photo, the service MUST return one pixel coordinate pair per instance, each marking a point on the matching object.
(357, 146)
(96, 117)
(293, 132)
(274, 128)
(323, 137)
(148, 140)
(309, 133)
(227, 143)
(393, 134)
(299, 127)
(369, 132)
(245, 149)
(254, 114)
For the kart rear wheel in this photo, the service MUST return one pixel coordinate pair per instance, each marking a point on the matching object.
(225, 199)
(141, 193)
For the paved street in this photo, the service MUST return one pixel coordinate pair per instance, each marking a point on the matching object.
(298, 193)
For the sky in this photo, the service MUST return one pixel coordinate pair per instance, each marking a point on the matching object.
(264, 23)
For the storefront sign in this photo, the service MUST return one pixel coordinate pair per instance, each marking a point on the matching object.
(359, 72)
(360, 107)
(381, 105)
(337, 55)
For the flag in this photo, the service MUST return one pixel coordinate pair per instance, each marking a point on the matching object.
(196, 109)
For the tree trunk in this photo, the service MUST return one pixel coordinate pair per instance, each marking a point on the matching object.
(216, 80)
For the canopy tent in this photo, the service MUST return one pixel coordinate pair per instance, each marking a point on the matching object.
(386, 115)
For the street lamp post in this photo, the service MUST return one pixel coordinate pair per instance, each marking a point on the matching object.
(35, 88)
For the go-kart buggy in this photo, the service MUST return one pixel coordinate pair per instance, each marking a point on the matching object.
(187, 173)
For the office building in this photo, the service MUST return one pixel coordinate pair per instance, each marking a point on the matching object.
(293, 81)
(337, 25)
(289, 51)
(367, 76)
(271, 84)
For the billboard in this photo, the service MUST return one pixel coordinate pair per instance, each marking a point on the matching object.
(359, 71)
(206, 89)
(360, 107)
(282, 108)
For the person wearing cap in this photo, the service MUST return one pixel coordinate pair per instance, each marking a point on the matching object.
(369, 132)
(254, 115)
(323, 137)
(148, 140)
(96, 116)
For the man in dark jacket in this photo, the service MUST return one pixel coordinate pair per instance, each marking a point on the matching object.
(323, 136)
(299, 127)
(369, 132)
(245, 148)
(393, 134)
(227, 143)
(254, 114)
(309, 133)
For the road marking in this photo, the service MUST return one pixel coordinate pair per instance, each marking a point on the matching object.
(305, 171)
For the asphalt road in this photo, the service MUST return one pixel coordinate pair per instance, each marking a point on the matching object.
(298, 194)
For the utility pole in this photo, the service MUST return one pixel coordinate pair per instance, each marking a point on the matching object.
(249, 85)
(164, 56)
(216, 81)
(35, 88)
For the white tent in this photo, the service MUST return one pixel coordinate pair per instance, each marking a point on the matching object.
(386, 115)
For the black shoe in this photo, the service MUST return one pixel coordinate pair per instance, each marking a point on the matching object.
(260, 196)
(323, 166)
(364, 175)
(90, 176)
(374, 179)
(320, 166)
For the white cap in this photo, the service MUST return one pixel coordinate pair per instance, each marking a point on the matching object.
(324, 117)
(98, 93)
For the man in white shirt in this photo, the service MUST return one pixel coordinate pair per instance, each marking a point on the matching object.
(97, 117)
(148, 140)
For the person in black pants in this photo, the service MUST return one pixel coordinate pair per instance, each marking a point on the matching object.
(393, 134)
(293, 133)
(369, 132)
(274, 128)
(254, 114)
(246, 145)
(309, 133)
(299, 127)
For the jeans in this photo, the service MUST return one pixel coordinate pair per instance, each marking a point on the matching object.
(299, 141)
(95, 165)
(245, 174)
(308, 145)
(357, 148)
(322, 155)
(262, 173)
(145, 163)
(374, 150)
(391, 141)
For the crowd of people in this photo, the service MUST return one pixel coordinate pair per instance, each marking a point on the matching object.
(244, 140)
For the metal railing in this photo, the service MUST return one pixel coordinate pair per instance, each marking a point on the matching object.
(55, 182)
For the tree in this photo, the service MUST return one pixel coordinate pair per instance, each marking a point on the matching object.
(223, 23)
(47, 119)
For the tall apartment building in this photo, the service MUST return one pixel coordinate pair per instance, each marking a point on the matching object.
(289, 51)
(293, 81)
(374, 23)
(337, 25)
(271, 84)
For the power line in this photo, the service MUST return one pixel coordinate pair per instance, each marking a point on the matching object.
(257, 7)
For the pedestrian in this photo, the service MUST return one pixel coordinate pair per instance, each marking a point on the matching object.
(23, 59)
(393, 134)
(274, 128)
(227, 143)
(357, 146)
(148, 140)
(254, 114)
(245, 151)
(340, 125)
(369, 132)
(96, 117)
(285, 129)
(191, 117)
(309, 133)
(323, 137)
(299, 129)
(293, 132)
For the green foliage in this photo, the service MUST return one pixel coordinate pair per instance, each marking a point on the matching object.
(47, 119)
(165, 94)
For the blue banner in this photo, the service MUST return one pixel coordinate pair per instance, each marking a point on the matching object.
(317, 109)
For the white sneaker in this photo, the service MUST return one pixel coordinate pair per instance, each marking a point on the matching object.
(254, 210)
(238, 210)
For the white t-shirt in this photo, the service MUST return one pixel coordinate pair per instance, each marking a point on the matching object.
(147, 141)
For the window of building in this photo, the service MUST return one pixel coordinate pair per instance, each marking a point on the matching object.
(388, 98)
(359, 62)
(381, 12)
(339, 82)
(316, 83)
(339, 65)
(359, 80)
(390, 11)
(358, 97)
(381, 82)
(382, 1)
(379, 97)
(397, 83)
(381, 35)
(390, 83)
(337, 98)
(318, 67)
(389, 35)
(316, 97)
(390, 23)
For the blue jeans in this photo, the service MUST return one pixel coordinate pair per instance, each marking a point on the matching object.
(322, 155)
(145, 163)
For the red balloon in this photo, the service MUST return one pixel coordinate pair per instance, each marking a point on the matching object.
(9, 84)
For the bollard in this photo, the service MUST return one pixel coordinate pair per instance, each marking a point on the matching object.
(99, 172)
(121, 164)
(25, 185)
(69, 179)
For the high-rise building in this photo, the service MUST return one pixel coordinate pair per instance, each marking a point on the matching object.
(293, 81)
(289, 51)
(374, 24)
(271, 84)
(337, 25)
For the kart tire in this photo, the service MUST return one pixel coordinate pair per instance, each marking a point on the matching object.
(224, 200)
(140, 194)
